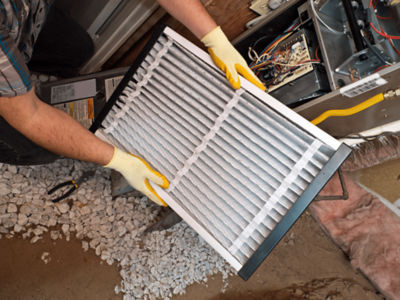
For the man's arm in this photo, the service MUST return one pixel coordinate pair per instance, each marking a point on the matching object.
(192, 14)
(53, 129)
(56, 131)
(195, 17)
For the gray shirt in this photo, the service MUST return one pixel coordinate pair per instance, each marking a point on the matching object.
(20, 24)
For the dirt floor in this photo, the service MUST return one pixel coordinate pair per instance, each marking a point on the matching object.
(305, 265)
(383, 179)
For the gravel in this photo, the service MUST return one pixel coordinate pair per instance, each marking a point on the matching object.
(152, 265)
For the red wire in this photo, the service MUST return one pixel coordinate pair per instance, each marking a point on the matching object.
(308, 60)
(294, 26)
(371, 4)
(388, 36)
(390, 42)
(316, 53)
(384, 18)
(380, 68)
(381, 17)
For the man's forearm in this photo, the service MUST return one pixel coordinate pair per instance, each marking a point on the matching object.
(190, 13)
(53, 129)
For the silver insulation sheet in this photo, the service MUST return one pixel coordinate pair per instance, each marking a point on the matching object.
(234, 164)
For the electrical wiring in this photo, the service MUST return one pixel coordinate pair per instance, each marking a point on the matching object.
(352, 77)
(264, 54)
(371, 4)
(300, 63)
(381, 32)
(388, 36)
(251, 50)
(316, 53)
(390, 42)
(377, 54)
(278, 60)
(385, 18)
(271, 46)
(275, 43)
(380, 68)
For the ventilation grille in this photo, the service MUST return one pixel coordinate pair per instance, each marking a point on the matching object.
(236, 164)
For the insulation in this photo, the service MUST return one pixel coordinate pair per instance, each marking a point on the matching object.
(237, 161)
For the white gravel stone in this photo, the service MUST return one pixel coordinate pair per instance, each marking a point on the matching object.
(85, 246)
(52, 222)
(3, 209)
(12, 169)
(35, 239)
(55, 234)
(12, 208)
(35, 218)
(85, 210)
(26, 209)
(7, 175)
(18, 228)
(38, 231)
(153, 265)
(22, 219)
(9, 220)
(45, 257)
(4, 189)
(65, 228)
(63, 208)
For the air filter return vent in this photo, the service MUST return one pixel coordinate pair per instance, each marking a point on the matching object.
(242, 167)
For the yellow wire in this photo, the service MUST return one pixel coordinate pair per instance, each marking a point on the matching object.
(348, 111)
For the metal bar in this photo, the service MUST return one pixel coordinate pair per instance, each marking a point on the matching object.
(355, 29)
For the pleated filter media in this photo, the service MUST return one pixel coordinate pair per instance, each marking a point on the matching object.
(242, 166)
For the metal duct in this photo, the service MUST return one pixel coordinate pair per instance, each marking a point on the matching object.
(242, 167)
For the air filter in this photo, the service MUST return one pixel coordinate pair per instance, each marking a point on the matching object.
(242, 166)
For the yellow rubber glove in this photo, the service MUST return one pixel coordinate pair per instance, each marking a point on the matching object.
(228, 59)
(138, 173)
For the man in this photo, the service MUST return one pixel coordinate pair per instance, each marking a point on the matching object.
(54, 130)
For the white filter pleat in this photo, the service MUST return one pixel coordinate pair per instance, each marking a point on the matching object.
(235, 164)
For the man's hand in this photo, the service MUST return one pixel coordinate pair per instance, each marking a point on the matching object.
(195, 17)
(138, 173)
(228, 59)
